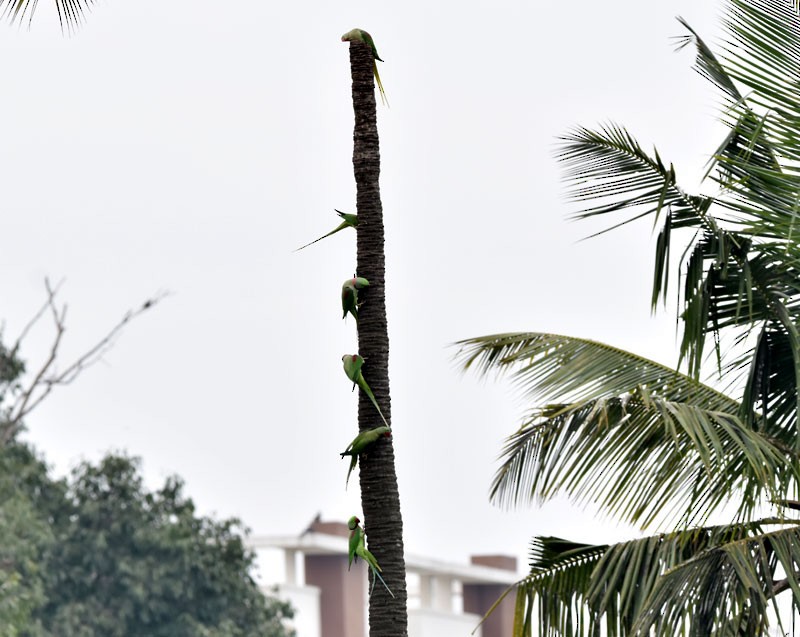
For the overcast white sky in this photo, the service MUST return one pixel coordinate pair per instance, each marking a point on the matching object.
(186, 147)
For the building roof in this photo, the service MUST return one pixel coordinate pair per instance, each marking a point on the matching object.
(315, 543)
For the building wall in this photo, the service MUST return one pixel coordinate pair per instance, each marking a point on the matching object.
(424, 622)
(478, 598)
(305, 601)
(342, 598)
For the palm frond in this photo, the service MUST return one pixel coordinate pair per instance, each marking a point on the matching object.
(70, 12)
(560, 576)
(707, 64)
(634, 438)
(566, 369)
(762, 53)
(758, 161)
(759, 191)
(634, 588)
(733, 281)
(610, 165)
(723, 287)
(730, 586)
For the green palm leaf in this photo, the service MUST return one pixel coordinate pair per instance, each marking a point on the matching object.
(703, 581)
(610, 165)
(643, 442)
(639, 440)
(732, 585)
(741, 267)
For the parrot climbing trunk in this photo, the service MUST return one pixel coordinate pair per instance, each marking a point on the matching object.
(380, 499)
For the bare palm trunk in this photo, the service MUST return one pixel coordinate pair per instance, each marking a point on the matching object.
(380, 499)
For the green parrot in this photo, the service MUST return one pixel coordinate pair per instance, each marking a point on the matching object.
(362, 36)
(358, 549)
(350, 290)
(352, 367)
(359, 445)
(350, 221)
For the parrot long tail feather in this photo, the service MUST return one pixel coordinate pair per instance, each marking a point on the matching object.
(369, 393)
(384, 99)
(378, 575)
(341, 226)
(349, 471)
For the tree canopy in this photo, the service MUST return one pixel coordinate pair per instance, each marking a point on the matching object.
(99, 554)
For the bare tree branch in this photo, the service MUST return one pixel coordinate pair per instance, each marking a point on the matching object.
(47, 377)
(35, 319)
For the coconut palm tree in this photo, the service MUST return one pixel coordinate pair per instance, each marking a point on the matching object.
(380, 498)
(70, 12)
(651, 445)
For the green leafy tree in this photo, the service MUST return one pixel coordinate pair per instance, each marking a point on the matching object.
(31, 503)
(99, 554)
(125, 561)
(26, 534)
(650, 445)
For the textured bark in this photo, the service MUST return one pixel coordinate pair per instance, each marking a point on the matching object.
(380, 499)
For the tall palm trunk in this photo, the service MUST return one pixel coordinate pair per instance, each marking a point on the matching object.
(380, 499)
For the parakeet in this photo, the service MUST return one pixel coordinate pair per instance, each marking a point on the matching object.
(350, 221)
(352, 367)
(358, 549)
(355, 537)
(362, 36)
(350, 290)
(360, 444)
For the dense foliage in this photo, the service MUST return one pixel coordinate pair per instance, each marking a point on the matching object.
(99, 555)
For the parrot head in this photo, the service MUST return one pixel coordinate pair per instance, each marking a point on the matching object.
(353, 34)
(352, 523)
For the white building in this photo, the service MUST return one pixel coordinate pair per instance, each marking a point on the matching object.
(444, 599)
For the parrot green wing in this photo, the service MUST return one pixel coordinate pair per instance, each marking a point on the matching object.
(350, 290)
(352, 366)
(367, 39)
(355, 539)
(359, 444)
(357, 548)
(363, 440)
(362, 36)
(350, 300)
(348, 218)
(368, 557)
(367, 438)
